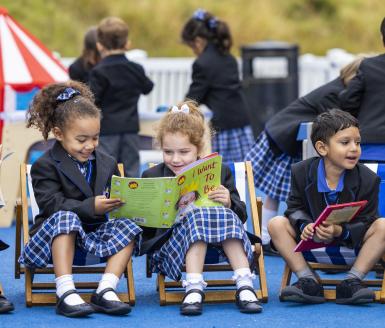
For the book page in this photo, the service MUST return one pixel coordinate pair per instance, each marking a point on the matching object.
(196, 182)
(150, 202)
(338, 216)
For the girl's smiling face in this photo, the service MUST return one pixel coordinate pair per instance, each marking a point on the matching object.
(80, 137)
(178, 151)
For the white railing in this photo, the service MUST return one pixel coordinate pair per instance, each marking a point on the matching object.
(172, 76)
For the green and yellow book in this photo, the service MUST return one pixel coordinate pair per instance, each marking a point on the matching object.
(155, 202)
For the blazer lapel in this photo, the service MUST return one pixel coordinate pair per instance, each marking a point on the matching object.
(103, 171)
(351, 186)
(69, 168)
(315, 200)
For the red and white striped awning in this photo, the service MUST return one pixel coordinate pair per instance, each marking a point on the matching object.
(24, 61)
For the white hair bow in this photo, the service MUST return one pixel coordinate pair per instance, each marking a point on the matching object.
(183, 109)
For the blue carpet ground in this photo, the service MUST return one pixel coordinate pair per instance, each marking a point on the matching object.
(147, 312)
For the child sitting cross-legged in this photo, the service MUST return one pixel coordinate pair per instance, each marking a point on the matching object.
(334, 177)
(181, 136)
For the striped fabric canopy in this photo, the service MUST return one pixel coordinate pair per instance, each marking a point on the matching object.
(24, 61)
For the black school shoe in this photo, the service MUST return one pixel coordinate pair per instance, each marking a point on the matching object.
(247, 306)
(5, 305)
(192, 308)
(305, 290)
(269, 251)
(72, 311)
(353, 291)
(100, 304)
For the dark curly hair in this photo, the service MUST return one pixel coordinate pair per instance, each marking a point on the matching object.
(47, 112)
(207, 26)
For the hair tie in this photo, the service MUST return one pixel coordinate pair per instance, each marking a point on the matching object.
(67, 94)
(199, 14)
(213, 23)
(183, 109)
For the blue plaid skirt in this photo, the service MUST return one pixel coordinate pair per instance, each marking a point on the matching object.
(212, 225)
(272, 173)
(233, 144)
(107, 240)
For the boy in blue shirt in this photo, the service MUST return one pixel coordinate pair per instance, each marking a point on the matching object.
(334, 177)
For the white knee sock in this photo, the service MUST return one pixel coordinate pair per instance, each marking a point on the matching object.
(267, 214)
(193, 281)
(109, 280)
(64, 284)
(244, 277)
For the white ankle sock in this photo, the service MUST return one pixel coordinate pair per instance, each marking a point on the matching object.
(193, 281)
(244, 277)
(109, 280)
(267, 214)
(64, 284)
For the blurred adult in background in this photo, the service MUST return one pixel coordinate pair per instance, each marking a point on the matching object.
(79, 70)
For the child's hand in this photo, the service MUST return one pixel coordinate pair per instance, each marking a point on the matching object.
(327, 232)
(308, 232)
(104, 205)
(221, 195)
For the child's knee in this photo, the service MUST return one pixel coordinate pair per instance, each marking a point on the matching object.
(276, 225)
(379, 227)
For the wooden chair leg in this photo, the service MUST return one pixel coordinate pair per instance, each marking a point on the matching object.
(1, 290)
(382, 291)
(162, 289)
(28, 287)
(130, 283)
(262, 276)
(285, 279)
(18, 241)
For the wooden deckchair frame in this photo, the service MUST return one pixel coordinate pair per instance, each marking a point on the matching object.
(43, 293)
(171, 292)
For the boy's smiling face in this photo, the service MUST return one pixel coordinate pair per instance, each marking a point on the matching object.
(343, 150)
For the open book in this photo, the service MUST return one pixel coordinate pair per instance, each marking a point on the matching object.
(334, 214)
(156, 202)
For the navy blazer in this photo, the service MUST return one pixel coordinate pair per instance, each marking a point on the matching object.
(59, 185)
(215, 83)
(154, 238)
(305, 203)
(282, 128)
(117, 84)
(365, 96)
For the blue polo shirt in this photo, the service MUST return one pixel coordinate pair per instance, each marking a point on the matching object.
(331, 195)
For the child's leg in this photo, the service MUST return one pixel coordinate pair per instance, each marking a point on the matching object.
(235, 252)
(63, 250)
(351, 290)
(269, 210)
(306, 289)
(116, 264)
(372, 250)
(195, 259)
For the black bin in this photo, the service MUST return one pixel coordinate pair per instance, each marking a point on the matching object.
(270, 79)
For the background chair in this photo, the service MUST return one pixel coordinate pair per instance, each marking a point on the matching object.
(340, 259)
(43, 293)
(223, 290)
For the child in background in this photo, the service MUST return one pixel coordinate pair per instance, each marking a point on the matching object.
(215, 83)
(181, 133)
(69, 182)
(117, 84)
(277, 148)
(80, 69)
(334, 177)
